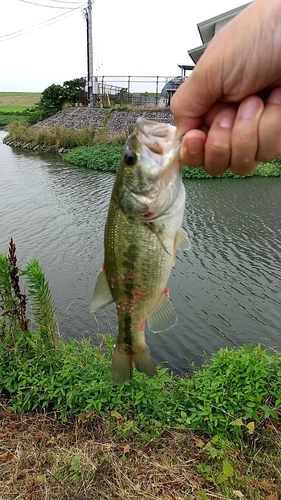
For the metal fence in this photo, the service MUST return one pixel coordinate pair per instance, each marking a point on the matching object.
(111, 91)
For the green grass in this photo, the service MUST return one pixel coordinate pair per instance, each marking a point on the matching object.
(107, 159)
(103, 157)
(57, 138)
(238, 390)
(98, 150)
(214, 433)
(21, 99)
(12, 109)
(61, 137)
(13, 106)
(7, 119)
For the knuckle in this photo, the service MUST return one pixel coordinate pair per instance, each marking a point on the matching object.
(218, 149)
(269, 154)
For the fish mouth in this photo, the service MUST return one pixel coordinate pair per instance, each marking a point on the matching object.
(156, 142)
(161, 132)
(158, 170)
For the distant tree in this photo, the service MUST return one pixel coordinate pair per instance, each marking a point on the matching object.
(55, 96)
(72, 88)
(52, 100)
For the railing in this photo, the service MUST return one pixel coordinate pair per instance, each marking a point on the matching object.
(115, 91)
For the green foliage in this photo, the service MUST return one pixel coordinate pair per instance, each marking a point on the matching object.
(56, 138)
(107, 158)
(270, 169)
(231, 395)
(104, 157)
(12, 301)
(55, 96)
(7, 118)
(12, 110)
(33, 115)
(238, 386)
(43, 309)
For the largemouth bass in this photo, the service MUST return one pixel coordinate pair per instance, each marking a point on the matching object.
(142, 232)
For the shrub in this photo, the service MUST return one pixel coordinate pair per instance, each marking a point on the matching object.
(237, 385)
(236, 391)
(105, 157)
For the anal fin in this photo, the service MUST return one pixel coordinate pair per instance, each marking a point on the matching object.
(102, 295)
(164, 315)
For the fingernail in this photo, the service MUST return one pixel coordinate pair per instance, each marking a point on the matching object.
(275, 97)
(226, 120)
(194, 146)
(250, 108)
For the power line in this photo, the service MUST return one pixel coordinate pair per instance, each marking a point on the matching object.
(63, 1)
(24, 31)
(48, 6)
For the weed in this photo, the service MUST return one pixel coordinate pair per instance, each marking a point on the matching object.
(232, 395)
(102, 157)
(237, 389)
(58, 137)
(107, 158)
(128, 441)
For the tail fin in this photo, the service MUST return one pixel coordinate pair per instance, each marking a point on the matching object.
(144, 363)
(122, 365)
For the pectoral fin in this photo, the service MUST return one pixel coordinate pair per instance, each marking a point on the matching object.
(102, 295)
(164, 315)
(152, 226)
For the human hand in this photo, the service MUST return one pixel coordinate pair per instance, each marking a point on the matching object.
(230, 107)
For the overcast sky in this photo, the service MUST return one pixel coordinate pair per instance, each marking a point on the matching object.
(149, 37)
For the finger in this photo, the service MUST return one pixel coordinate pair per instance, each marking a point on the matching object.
(244, 140)
(270, 128)
(192, 148)
(187, 106)
(214, 110)
(218, 144)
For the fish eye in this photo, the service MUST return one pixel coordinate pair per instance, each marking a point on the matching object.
(130, 158)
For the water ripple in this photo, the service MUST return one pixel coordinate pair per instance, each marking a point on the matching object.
(226, 289)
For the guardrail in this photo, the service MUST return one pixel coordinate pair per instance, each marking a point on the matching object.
(148, 91)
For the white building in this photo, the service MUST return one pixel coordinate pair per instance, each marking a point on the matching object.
(207, 30)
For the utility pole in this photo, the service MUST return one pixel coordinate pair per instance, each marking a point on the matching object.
(88, 16)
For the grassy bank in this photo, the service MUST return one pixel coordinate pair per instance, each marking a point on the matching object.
(19, 99)
(67, 433)
(63, 138)
(98, 150)
(108, 159)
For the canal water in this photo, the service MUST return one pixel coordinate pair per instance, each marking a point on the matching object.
(226, 289)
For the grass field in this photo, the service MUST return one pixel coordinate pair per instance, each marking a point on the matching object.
(12, 109)
(12, 104)
(18, 101)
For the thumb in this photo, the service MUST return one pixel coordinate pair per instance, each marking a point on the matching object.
(192, 100)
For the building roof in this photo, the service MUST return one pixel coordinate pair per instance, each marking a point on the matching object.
(207, 30)
(187, 67)
(197, 52)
